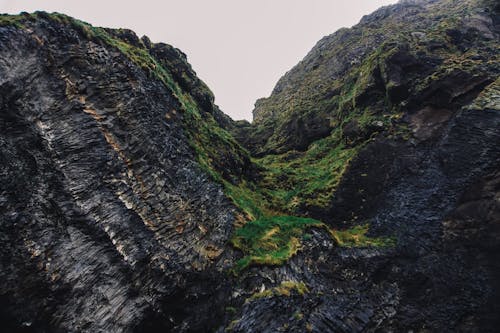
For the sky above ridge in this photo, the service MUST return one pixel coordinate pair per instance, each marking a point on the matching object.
(240, 48)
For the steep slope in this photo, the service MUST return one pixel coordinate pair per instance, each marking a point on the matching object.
(358, 68)
(401, 73)
(392, 124)
(111, 218)
(371, 202)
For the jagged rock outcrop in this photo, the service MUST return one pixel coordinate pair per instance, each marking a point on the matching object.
(371, 203)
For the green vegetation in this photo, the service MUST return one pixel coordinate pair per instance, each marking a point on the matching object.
(249, 198)
(274, 240)
(356, 237)
(293, 182)
(13, 20)
(308, 179)
(296, 181)
(270, 240)
(284, 289)
(298, 315)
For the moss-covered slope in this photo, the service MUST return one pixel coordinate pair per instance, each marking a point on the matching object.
(362, 84)
(361, 69)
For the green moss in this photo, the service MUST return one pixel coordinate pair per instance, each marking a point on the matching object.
(290, 182)
(274, 240)
(12, 20)
(248, 198)
(308, 179)
(270, 240)
(356, 237)
(286, 288)
(293, 181)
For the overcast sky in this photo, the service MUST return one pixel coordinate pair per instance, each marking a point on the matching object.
(240, 48)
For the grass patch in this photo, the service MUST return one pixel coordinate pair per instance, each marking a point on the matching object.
(284, 289)
(274, 240)
(356, 237)
(308, 179)
(270, 240)
(249, 199)
(13, 20)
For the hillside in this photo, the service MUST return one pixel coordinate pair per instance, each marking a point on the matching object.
(363, 197)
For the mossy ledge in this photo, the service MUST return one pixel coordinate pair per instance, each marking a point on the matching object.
(270, 240)
(273, 240)
(285, 288)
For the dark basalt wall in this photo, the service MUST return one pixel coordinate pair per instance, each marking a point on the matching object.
(107, 219)
(121, 190)
(428, 176)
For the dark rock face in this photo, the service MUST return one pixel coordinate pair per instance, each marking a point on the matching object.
(432, 183)
(121, 189)
(441, 200)
(398, 47)
(108, 223)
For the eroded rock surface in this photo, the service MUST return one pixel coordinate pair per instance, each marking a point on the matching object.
(122, 191)
(108, 222)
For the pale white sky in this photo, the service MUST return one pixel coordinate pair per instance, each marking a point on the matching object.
(240, 48)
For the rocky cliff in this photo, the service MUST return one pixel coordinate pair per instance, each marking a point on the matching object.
(364, 197)
(110, 219)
